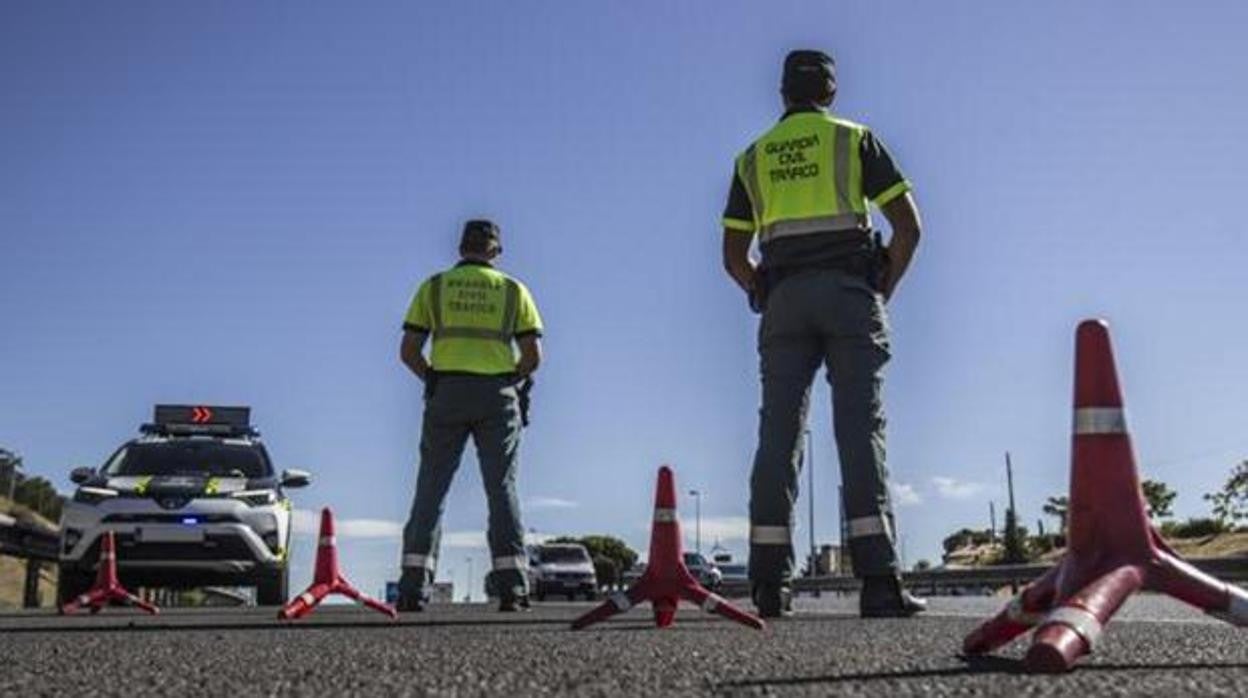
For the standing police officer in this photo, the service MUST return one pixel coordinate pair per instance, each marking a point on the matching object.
(803, 188)
(474, 385)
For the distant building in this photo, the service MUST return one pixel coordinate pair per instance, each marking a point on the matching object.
(831, 561)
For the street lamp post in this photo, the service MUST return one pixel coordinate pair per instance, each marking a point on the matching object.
(468, 586)
(810, 498)
(697, 517)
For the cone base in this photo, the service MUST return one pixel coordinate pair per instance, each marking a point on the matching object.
(1054, 650)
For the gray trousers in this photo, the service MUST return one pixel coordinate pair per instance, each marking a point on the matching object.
(487, 409)
(835, 319)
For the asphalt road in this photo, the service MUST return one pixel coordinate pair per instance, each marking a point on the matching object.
(1155, 647)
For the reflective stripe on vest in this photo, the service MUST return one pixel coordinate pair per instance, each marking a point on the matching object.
(805, 176)
(507, 325)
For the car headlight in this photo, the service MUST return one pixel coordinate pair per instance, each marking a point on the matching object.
(93, 495)
(256, 498)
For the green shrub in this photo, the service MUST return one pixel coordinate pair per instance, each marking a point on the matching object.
(1193, 528)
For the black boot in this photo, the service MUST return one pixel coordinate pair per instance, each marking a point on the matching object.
(411, 603)
(412, 595)
(773, 600)
(883, 597)
(513, 604)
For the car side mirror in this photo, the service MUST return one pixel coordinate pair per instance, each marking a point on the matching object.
(81, 475)
(296, 478)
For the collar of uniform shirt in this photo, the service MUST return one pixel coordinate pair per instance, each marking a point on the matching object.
(473, 263)
(805, 109)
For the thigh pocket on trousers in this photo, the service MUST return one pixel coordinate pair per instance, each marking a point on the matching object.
(865, 314)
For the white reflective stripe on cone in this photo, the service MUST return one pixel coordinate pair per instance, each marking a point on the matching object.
(620, 599)
(328, 541)
(415, 560)
(711, 603)
(664, 515)
(510, 562)
(1236, 611)
(1100, 420)
(307, 598)
(770, 535)
(864, 526)
(1083, 622)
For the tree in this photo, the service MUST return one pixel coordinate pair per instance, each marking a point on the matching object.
(1230, 504)
(1159, 498)
(1015, 540)
(922, 566)
(40, 496)
(1058, 508)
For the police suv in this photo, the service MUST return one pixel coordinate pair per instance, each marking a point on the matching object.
(194, 501)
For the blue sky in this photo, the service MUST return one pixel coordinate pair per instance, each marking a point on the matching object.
(232, 203)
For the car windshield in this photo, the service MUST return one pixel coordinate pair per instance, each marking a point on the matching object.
(211, 458)
(694, 560)
(561, 554)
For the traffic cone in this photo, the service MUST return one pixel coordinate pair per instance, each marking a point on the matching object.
(328, 579)
(1112, 550)
(108, 588)
(666, 579)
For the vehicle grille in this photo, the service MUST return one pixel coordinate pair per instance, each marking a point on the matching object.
(214, 547)
(169, 518)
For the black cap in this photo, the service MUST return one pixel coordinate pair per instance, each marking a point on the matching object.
(479, 232)
(806, 67)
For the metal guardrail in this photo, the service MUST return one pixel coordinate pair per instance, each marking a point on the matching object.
(33, 542)
(1228, 569)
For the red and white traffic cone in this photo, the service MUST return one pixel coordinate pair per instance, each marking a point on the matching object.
(328, 579)
(1112, 550)
(107, 589)
(666, 579)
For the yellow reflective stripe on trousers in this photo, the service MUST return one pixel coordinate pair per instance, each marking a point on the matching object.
(417, 560)
(770, 535)
(509, 562)
(865, 526)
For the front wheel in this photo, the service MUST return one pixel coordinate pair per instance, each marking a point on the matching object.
(272, 588)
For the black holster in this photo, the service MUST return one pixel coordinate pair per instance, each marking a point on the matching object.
(431, 383)
(522, 393)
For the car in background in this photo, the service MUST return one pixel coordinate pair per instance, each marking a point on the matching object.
(562, 568)
(194, 501)
(703, 570)
(734, 572)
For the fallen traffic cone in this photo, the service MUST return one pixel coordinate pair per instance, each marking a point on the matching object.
(108, 588)
(1112, 550)
(666, 579)
(328, 579)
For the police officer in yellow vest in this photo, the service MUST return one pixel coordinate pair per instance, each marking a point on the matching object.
(476, 386)
(803, 190)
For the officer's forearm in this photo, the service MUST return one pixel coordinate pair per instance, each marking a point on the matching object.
(900, 252)
(903, 218)
(411, 353)
(530, 355)
(737, 258)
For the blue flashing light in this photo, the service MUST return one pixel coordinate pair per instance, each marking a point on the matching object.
(190, 520)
